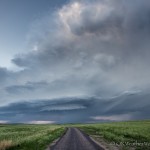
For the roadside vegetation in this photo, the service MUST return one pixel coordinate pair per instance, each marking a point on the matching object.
(28, 137)
(133, 135)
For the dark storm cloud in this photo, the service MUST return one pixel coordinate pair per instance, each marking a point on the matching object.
(94, 48)
(95, 21)
(56, 110)
(128, 17)
(73, 110)
(100, 38)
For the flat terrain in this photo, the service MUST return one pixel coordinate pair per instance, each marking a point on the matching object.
(133, 135)
(74, 139)
(28, 137)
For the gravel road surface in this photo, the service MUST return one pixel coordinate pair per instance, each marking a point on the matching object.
(74, 139)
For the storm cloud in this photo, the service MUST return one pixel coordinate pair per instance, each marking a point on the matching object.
(87, 49)
(127, 106)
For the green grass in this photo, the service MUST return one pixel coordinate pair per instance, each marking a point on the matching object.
(134, 134)
(28, 137)
(38, 137)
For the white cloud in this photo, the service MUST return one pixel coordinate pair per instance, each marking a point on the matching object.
(41, 122)
(113, 117)
(3, 122)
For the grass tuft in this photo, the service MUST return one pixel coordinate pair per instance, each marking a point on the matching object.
(5, 144)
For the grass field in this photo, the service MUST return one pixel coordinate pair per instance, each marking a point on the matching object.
(133, 135)
(28, 137)
(125, 135)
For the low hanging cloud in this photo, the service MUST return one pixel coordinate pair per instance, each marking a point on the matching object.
(41, 122)
(86, 48)
(112, 118)
(127, 106)
(3, 122)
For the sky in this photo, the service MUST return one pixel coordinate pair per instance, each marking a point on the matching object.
(17, 18)
(74, 61)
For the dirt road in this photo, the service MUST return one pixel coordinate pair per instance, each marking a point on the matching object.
(74, 139)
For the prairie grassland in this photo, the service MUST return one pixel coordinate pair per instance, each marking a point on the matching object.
(125, 135)
(133, 135)
(28, 137)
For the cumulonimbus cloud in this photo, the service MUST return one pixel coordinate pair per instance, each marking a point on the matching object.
(85, 48)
